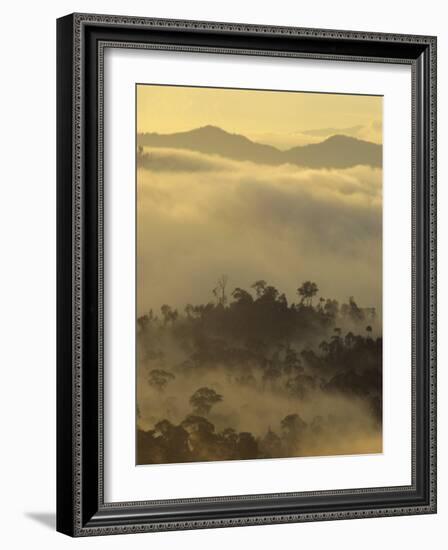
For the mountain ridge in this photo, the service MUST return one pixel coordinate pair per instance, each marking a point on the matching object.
(337, 151)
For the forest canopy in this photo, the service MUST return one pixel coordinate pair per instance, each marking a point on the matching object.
(314, 365)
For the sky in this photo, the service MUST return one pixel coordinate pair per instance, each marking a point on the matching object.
(284, 224)
(282, 119)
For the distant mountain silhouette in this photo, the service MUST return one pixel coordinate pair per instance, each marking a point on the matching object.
(338, 151)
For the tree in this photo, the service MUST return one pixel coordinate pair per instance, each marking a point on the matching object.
(189, 311)
(247, 446)
(272, 369)
(219, 292)
(172, 441)
(291, 362)
(143, 321)
(202, 439)
(270, 294)
(163, 427)
(197, 424)
(203, 400)
(270, 445)
(307, 291)
(352, 311)
(336, 344)
(331, 308)
(169, 314)
(349, 339)
(230, 436)
(159, 378)
(242, 297)
(300, 385)
(293, 425)
(259, 287)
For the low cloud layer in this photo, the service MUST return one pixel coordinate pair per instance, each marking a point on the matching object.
(202, 216)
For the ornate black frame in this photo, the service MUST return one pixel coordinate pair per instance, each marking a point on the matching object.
(81, 39)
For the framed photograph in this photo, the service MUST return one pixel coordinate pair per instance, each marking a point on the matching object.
(246, 274)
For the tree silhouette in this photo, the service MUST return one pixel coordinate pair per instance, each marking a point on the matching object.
(352, 311)
(307, 291)
(300, 385)
(293, 424)
(169, 314)
(219, 291)
(291, 362)
(158, 378)
(259, 287)
(203, 400)
(197, 424)
(272, 369)
(189, 310)
(331, 308)
(247, 446)
(270, 294)
(143, 321)
(349, 339)
(270, 444)
(242, 297)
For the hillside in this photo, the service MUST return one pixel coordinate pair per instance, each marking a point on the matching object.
(338, 151)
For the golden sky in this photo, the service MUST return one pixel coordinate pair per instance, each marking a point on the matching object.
(257, 113)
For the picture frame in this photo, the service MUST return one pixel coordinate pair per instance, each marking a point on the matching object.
(81, 506)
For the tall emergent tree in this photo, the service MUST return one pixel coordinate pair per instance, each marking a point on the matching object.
(203, 400)
(307, 291)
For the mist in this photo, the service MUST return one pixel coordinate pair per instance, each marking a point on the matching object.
(200, 216)
(259, 308)
(249, 375)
